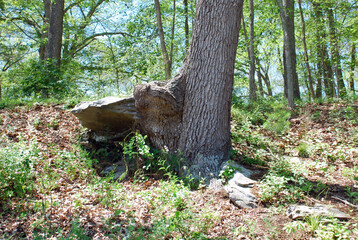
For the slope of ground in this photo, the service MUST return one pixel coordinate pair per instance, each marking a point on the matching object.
(52, 189)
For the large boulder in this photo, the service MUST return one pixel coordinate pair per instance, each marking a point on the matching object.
(107, 116)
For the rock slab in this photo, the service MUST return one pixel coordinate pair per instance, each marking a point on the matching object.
(110, 115)
(302, 211)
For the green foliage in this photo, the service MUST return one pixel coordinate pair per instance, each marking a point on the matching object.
(303, 150)
(43, 79)
(228, 172)
(277, 121)
(17, 162)
(322, 228)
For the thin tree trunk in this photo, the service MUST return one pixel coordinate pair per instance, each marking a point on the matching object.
(309, 74)
(319, 80)
(288, 26)
(259, 80)
(353, 65)
(324, 60)
(268, 83)
(55, 31)
(253, 90)
(173, 34)
(335, 54)
(186, 23)
(252, 84)
(46, 24)
(285, 84)
(167, 62)
(0, 86)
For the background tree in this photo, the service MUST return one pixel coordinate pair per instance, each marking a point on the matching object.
(288, 27)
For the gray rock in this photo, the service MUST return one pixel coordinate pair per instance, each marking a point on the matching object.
(119, 172)
(107, 115)
(302, 211)
(239, 191)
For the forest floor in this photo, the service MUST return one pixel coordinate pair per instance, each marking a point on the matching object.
(51, 189)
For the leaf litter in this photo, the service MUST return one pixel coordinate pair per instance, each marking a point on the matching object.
(80, 201)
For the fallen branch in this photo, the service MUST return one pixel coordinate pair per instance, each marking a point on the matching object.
(345, 201)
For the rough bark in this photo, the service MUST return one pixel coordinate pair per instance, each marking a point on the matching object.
(55, 31)
(191, 112)
(167, 62)
(288, 27)
(309, 73)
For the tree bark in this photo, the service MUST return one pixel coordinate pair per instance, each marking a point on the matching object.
(55, 31)
(167, 62)
(309, 73)
(253, 89)
(191, 112)
(288, 27)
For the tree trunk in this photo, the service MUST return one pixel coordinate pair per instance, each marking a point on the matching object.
(167, 62)
(46, 23)
(284, 74)
(309, 74)
(186, 23)
(353, 65)
(259, 81)
(288, 27)
(335, 54)
(55, 31)
(191, 113)
(172, 36)
(253, 96)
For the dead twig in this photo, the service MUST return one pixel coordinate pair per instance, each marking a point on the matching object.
(345, 201)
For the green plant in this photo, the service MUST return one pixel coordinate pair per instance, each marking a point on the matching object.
(228, 172)
(352, 194)
(17, 162)
(303, 150)
(277, 121)
(136, 149)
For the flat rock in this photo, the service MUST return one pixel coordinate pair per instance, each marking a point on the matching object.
(302, 211)
(107, 115)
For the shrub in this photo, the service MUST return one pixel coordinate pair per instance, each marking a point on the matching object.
(277, 121)
(16, 175)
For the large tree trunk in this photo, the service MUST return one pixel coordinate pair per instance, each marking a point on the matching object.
(288, 27)
(55, 31)
(191, 113)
